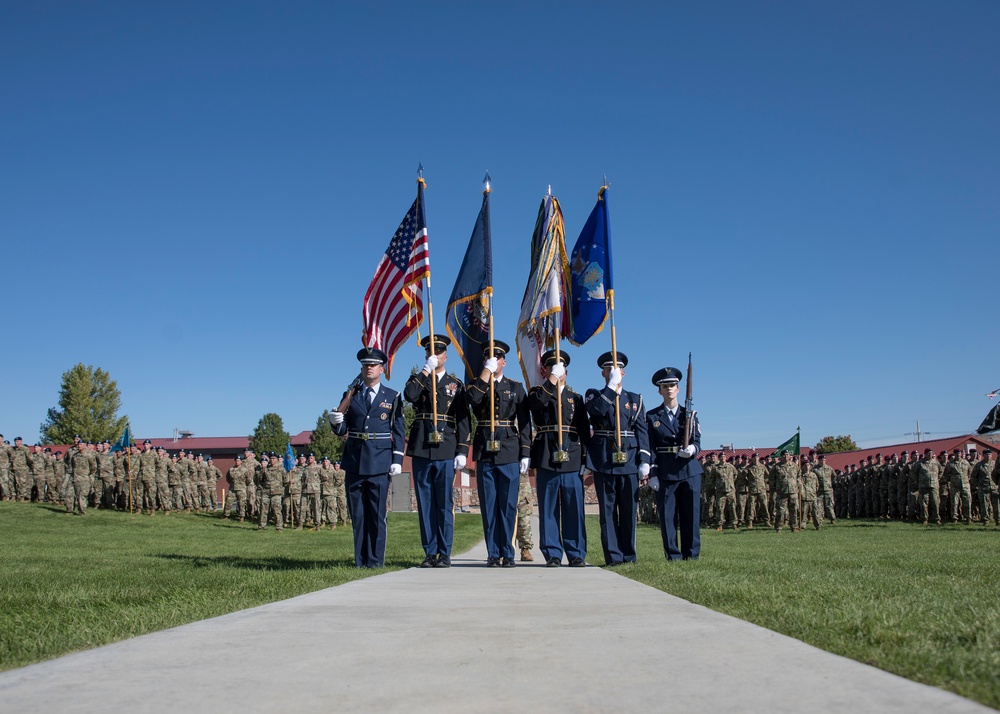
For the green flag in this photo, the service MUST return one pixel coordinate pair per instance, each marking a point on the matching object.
(791, 446)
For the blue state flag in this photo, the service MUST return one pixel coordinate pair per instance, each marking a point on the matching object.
(468, 321)
(125, 441)
(591, 281)
(289, 462)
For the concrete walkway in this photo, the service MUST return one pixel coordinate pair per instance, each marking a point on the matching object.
(469, 639)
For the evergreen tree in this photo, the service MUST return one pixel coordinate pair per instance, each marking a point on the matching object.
(89, 401)
(834, 444)
(323, 441)
(270, 435)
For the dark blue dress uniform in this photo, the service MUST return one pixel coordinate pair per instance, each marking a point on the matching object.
(375, 440)
(497, 471)
(679, 495)
(434, 462)
(617, 484)
(559, 484)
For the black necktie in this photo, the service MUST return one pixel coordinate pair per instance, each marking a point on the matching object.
(368, 398)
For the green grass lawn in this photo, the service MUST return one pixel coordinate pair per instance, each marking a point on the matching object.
(921, 602)
(69, 583)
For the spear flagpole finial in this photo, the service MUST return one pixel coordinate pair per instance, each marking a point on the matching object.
(486, 182)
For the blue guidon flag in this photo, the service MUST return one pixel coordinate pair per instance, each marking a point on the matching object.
(590, 274)
(468, 321)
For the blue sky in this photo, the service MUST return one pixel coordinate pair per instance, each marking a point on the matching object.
(805, 195)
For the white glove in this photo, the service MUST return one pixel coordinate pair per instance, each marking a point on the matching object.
(395, 470)
(654, 483)
(523, 466)
(583, 470)
(687, 452)
(558, 370)
(459, 462)
(431, 364)
(336, 418)
(643, 470)
(615, 378)
(491, 365)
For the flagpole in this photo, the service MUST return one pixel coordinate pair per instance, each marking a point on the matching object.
(435, 436)
(614, 338)
(493, 412)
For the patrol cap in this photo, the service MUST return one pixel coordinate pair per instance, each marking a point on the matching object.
(500, 349)
(549, 358)
(372, 355)
(441, 343)
(667, 375)
(326, 458)
(606, 360)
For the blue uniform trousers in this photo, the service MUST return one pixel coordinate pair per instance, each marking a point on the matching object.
(618, 500)
(498, 487)
(433, 482)
(679, 505)
(560, 514)
(366, 504)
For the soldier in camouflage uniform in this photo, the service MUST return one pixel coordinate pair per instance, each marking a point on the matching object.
(340, 492)
(725, 493)
(647, 505)
(957, 472)
(84, 466)
(199, 484)
(7, 492)
(982, 476)
(707, 494)
(310, 494)
(825, 504)
(20, 466)
(58, 475)
(147, 478)
(293, 497)
(212, 476)
(175, 482)
(786, 489)
(525, 541)
(164, 494)
(328, 494)
(810, 488)
(902, 477)
(104, 484)
(237, 492)
(272, 486)
(756, 478)
(928, 471)
(36, 463)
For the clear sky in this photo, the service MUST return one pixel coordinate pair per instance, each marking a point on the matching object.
(194, 197)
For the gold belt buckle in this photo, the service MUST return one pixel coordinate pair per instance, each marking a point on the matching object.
(619, 457)
(560, 456)
(364, 436)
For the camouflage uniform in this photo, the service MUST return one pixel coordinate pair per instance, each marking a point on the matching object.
(20, 466)
(212, 476)
(524, 510)
(147, 477)
(810, 488)
(199, 484)
(236, 477)
(328, 496)
(340, 491)
(293, 499)
(84, 466)
(7, 491)
(725, 494)
(272, 487)
(647, 505)
(982, 474)
(786, 489)
(104, 484)
(310, 495)
(37, 475)
(756, 476)
(175, 482)
(928, 471)
(164, 494)
(957, 472)
(825, 503)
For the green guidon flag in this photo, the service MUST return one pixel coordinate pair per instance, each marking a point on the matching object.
(791, 446)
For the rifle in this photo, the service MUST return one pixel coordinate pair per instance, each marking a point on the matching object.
(689, 421)
(345, 403)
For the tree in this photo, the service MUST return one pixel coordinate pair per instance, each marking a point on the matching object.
(270, 435)
(323, 441)
(89, 401)
(832, 444)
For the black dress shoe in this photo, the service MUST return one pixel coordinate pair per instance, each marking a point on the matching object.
(429, 561)
(553, 563)
(508, 563)
(576, 563)
(443, 561)
(493, 562)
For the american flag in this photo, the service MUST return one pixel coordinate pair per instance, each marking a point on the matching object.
(393, 307)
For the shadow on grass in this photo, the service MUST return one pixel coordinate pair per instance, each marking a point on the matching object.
(277, 563)
(260, 563)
